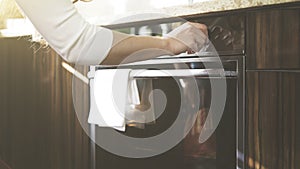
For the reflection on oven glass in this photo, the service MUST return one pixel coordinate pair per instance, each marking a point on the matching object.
(196, 155)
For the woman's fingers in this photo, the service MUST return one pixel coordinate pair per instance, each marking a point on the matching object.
(200, 26)
(189, 37)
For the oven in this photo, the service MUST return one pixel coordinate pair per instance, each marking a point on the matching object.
(202, 114)
(197, 105)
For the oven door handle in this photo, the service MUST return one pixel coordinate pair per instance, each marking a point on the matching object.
(146, 73)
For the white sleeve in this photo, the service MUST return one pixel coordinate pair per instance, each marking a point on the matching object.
(71, 36)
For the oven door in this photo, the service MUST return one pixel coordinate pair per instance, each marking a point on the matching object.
(206, 139)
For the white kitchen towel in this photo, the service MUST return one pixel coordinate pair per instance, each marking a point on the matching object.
(133, 92)
(110, 98)
(141, 104)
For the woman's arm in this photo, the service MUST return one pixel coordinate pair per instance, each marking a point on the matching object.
(77, 41)
(128, 48)
(67, 32)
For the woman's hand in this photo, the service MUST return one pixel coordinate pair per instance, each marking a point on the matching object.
(189, 37)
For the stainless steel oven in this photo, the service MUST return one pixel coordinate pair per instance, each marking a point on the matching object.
(197, 83)
(223, 147)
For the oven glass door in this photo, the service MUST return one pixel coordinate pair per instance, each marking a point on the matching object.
(217, 152)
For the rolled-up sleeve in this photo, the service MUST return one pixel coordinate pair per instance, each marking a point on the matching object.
(67, 32)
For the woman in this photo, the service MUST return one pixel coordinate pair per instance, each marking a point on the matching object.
(79, 42)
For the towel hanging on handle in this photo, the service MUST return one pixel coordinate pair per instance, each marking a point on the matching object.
(109, 98)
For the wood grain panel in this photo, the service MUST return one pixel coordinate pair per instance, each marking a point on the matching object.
(273, 38)
(272, 113)
(291, 117)
(15, 105)
(39, 127)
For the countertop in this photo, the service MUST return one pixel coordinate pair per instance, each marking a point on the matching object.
(219, 5)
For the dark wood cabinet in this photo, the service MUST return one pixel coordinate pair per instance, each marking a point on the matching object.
(273, 38)
(38, 125)
(272, 120)
(273, 88)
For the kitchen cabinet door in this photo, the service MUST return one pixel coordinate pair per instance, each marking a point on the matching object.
(38, 125)
(273, 113)
(16, 110)
(273, 38)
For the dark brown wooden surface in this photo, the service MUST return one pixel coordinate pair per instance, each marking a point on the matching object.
(272, 88)
(273, 120)
(38, 125)
(273, 38)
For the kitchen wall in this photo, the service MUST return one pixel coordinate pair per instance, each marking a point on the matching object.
(8, 9)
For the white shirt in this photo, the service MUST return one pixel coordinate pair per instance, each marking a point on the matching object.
(71, 36)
